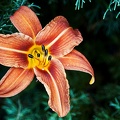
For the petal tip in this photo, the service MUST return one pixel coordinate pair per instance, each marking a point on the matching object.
(92, 80)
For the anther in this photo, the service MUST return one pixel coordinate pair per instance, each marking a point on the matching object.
(30, 56)
(46, 52)
(38, 54)
(49, 57)
(43, 48)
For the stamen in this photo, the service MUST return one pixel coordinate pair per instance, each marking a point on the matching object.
(49, 57)
(38, 54)
(43, 48)
(30, 56)
(46, 52)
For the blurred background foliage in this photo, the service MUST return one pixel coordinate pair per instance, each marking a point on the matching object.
(99, 23)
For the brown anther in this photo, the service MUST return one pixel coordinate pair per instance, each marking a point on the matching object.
(30, 56)
(49, 57)
(38, 54)
(46, 52)
(43, 48)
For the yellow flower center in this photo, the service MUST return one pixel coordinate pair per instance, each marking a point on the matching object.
(39, 57)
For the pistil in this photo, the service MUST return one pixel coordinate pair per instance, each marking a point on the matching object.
(39, 57)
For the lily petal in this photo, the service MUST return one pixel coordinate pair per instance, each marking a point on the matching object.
(56, 86)
(13, 49)
(77, 61)
(59, 37)
(14, 81)
(26, 21)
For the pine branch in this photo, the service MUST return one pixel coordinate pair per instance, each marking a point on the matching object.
(79, 4)
(114, 4)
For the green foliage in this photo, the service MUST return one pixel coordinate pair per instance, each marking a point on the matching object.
(112, 6)
(16, 109)
(109, 110)
(105, 114)
(15, 112)
(7, 8)
(79, 4)
(109, 25)
(116, 105)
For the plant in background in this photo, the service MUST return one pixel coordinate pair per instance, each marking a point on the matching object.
(44, 52)
(112, 6)
(6, 9)
(79, 4)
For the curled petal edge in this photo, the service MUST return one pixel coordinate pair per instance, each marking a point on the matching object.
(77, 61)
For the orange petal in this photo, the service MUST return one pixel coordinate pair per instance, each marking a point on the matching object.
(59, 37)
(13, 49)
(26, 21)
(56, 86)
(14, 81)
(77, 61)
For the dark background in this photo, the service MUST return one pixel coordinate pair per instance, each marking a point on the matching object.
(101, 41)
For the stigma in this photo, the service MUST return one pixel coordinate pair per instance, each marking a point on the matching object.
(38, 56)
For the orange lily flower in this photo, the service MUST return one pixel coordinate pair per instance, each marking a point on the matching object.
(44, 52)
